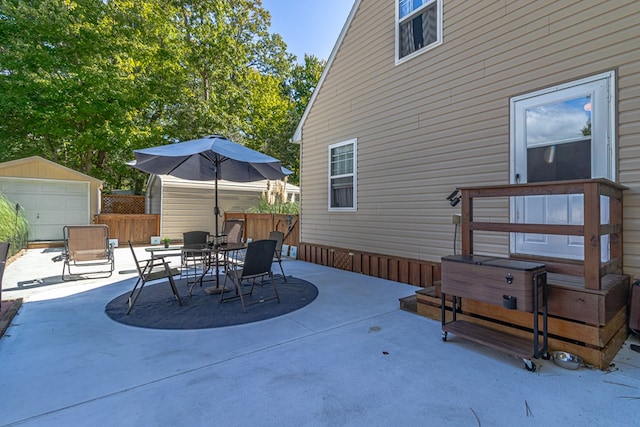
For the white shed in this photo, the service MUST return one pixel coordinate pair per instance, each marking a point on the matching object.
(186, 205)
(51, 195)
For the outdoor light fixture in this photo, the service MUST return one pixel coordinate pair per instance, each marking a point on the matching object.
(455, 197)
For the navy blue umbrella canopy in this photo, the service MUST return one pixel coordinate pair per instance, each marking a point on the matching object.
(210, 158)
(207, 159)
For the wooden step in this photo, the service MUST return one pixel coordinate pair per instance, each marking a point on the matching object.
(409, 303)
(568, 298)
(596, 345)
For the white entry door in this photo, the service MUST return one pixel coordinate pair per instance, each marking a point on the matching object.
(561, 133)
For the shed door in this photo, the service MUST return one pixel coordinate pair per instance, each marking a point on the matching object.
(562, 133)
(49, 205)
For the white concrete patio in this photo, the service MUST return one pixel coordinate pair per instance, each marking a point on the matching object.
(350, 358)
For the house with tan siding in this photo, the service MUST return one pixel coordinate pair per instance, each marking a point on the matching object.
(420, 98)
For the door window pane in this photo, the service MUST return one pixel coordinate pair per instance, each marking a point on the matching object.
(560, 121)
(559, 162)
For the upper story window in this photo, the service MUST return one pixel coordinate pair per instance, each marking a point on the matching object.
(342, 176)
(419, 27)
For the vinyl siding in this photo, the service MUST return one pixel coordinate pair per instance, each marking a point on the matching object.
(441, 120)
(189, 205)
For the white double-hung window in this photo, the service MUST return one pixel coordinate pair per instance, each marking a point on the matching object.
(418, 27)
(342, 176)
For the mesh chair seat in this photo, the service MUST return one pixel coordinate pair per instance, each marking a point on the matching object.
(197, 240)
(86, 246)
(278, 236)
(257, 265)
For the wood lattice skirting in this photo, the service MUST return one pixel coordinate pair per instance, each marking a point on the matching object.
(404, 270)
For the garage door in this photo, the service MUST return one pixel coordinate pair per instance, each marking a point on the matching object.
(49, 205)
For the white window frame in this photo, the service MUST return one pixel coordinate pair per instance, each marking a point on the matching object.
(354, 175)
(411, 15)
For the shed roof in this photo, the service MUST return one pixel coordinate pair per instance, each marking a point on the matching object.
(38, 167)
(172, 181)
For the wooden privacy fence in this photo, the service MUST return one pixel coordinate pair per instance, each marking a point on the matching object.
(124, 227)
(257, 226)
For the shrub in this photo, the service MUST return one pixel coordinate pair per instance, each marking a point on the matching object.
(274, 200)
(14, 227)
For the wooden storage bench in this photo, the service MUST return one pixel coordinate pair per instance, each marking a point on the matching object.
(512, 284)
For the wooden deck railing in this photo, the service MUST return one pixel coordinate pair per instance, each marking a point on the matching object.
(591, 267)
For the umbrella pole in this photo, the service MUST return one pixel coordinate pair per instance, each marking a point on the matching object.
(216, 212)
(216, 209)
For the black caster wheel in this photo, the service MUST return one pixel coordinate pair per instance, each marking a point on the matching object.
(444, 336)
(529, 365)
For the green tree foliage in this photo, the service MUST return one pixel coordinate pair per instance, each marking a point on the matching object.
(85, 82)
(303, 80)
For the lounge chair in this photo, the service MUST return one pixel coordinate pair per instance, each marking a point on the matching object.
(87, 246)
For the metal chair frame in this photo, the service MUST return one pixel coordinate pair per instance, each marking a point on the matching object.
(257, 264)
(278, 236)
(4, 253)
(150, 270)
(196, 257)
(86, 246)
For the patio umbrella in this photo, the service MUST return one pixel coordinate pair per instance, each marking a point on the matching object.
(210, 158)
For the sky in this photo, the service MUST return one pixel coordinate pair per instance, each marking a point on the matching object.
(308, 26)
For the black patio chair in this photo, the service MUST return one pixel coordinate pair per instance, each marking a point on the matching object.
(233, 229)
(4, 253)
(196, 240)
(150, 270)
(257, 264)
(278, 236)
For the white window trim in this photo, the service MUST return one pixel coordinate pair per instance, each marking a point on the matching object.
(353, 142)
(437, 43)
